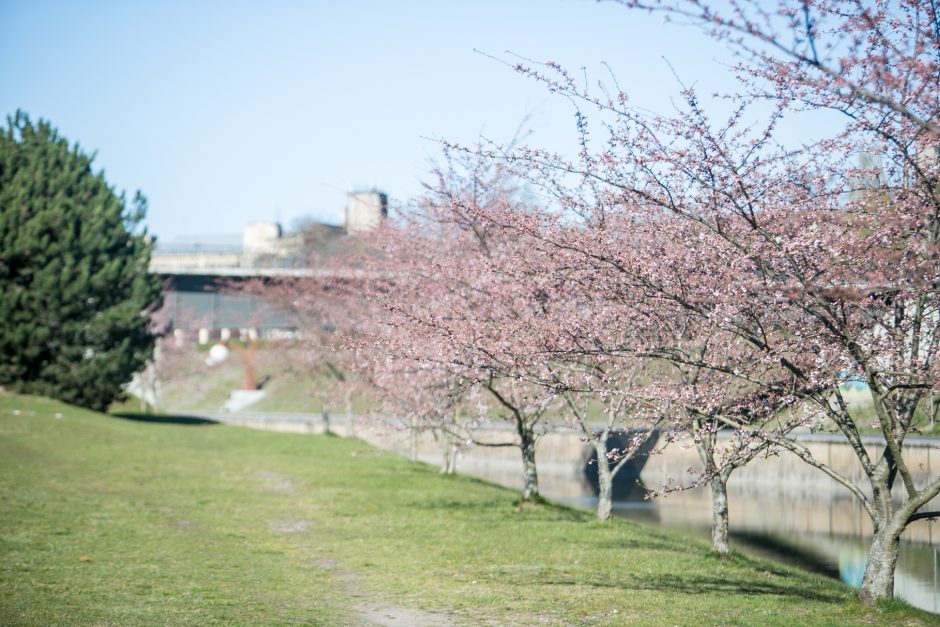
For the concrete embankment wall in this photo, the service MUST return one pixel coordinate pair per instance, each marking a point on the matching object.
(780, 491)
(783, 491)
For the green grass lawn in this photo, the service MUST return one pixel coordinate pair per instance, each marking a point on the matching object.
(106, 520)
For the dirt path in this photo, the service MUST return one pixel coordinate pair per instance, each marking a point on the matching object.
(275, 482)
(369, 609)
(372, 611)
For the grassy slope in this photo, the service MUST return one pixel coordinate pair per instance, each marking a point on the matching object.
(290, 387)
(109, 521)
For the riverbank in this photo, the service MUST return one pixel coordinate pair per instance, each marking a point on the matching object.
(113, 521)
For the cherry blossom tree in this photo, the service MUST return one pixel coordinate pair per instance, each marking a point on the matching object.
(415, 395)
(606, 328)
(449, 305)
(497, 311)
(801, 268)
(607, 387)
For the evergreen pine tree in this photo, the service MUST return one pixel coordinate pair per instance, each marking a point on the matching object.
(75, 291)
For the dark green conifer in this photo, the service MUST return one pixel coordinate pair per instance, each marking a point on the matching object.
(75, 292)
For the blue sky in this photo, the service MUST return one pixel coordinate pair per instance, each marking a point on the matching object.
(224, 113)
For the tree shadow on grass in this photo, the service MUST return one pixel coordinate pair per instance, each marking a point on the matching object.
(667, 545)
(802, 557)
(507, 506)
(703, 584)
(473, 505)
(166, 419)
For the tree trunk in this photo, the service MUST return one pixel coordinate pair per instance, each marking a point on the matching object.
(450, 457)
(878, 582)
(449, 453)
(719, 490)
(718, 485)
(454, 454)
(934, 409)
(445, 463)
(530, 483)
(605, 480)
(414, 439)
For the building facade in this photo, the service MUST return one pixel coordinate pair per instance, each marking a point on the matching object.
(202, 295)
